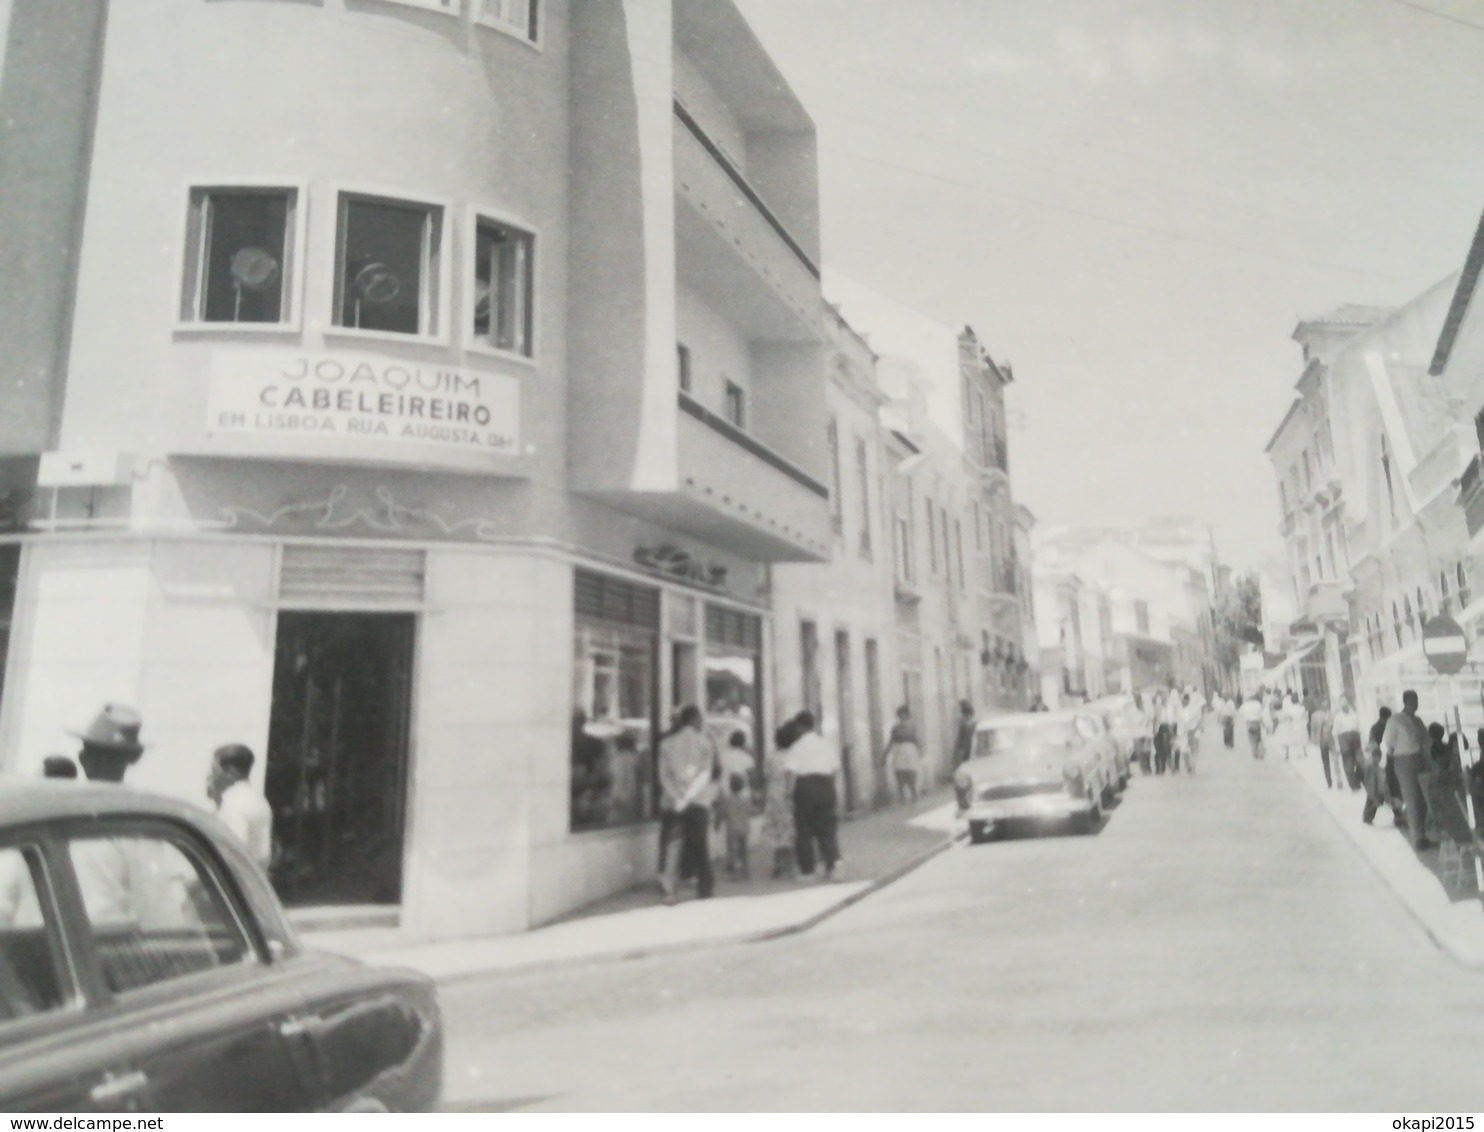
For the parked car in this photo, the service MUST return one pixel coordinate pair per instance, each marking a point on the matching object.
(1127, 730)
(1040, 767)
(146, 965)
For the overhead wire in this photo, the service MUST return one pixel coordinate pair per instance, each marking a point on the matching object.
(1426, 11)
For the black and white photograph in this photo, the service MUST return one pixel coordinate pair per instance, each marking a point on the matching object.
(728, 556)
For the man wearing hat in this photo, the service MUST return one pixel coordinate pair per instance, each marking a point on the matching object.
(110, 745)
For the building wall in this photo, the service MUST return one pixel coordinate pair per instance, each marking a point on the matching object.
(49, 59)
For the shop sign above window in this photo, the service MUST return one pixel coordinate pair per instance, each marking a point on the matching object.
(676, 563)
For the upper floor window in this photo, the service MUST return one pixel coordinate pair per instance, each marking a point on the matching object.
(388, 255)
(682, 366)
(902, 530)
(863, 485)
(837, 501)
(1141, 617)
(1463, 587)
(736, 404)
(518, 16)
(239, 254)
(502, 287)
(958, 547)
(932, 538)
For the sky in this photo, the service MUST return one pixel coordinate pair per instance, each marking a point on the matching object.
(1134, 202)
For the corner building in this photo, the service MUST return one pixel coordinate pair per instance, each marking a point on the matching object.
(419, 392)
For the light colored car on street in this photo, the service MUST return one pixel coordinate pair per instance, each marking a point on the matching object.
(1126, 728)
(1035, 767)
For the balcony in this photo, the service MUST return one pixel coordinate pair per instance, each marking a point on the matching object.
(734, 250)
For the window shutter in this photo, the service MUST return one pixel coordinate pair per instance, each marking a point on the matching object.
(352, 575)
(612, 599)
(729, 627)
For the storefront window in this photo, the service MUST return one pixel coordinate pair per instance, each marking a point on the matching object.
(733, 685)
(615, 702)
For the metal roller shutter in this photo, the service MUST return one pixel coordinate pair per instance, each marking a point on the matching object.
(352, 575)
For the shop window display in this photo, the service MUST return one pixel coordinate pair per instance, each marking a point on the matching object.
(615, 702)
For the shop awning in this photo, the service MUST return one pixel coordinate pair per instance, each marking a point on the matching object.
(1289, 663)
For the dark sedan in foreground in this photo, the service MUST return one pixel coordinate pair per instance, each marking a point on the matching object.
(146, 965)
(1035, 767)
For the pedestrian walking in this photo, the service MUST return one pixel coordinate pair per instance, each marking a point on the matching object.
(1294, 727)
(1226, 711)
(735, 808)
(241, 808)
(1374, 773)
(778, 806)
(1346, 729)
(687, 771)
(1321, 734)
(1405, 742)
(1253, 715)
(1162, 735)
(904, 757)
(814, 763)
(1192, 723)
(963, 741)
(1173, 719)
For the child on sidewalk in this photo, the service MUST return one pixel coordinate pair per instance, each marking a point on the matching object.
(736, 816)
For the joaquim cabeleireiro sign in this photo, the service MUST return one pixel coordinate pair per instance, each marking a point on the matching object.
(343, 398)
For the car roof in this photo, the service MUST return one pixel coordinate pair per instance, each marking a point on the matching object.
(1024, 718)
(26, 800)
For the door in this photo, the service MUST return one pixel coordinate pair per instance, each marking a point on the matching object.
(845, 713)
(338, 750)
(62, 1053)
(811, 692)
(874, 712)
(213, 1022)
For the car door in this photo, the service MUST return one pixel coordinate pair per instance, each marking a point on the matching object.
(58, 1052)
(213, 1020)
(376, 1033)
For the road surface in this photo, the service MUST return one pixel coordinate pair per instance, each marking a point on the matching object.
(1218, 945)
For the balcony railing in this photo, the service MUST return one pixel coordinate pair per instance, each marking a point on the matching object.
(739, 179)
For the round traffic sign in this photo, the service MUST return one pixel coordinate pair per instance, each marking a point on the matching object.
(1444, 644)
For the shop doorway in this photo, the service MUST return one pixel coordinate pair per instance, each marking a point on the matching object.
(845, 713)
(338, 747)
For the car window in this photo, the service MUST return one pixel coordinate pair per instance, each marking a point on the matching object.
(31, 980)
(1029, 737)
(156, 911)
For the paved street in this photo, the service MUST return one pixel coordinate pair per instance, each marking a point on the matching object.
(1219, 945)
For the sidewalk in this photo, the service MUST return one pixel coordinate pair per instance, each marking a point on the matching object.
(878, 848)
(1457, 926)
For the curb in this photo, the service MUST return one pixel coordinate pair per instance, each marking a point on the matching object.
(682, 946)
(1468, 963)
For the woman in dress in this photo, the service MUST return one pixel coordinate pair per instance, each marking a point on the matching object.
(778, 804)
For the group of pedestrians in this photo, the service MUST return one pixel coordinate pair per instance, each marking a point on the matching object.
(1390, 761)
(1175, 720)
(703, 788)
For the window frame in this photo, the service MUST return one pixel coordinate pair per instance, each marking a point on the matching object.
(259, 955)
(190, 275)
(734, 394)
(531, 35)
(684, 380)
(863, 476)
(53, 899)
(474, 215)
(332, 239)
